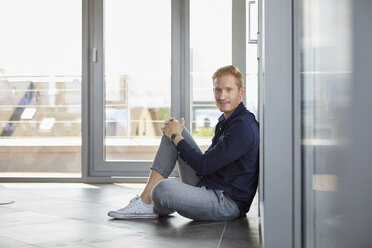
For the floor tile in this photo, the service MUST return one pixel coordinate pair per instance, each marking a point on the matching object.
(26, 218)
(242, 232)
(7, 242)
(68, 230)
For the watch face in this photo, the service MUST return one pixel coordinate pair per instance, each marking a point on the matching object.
(173, 136)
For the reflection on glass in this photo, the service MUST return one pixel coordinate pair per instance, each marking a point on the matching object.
(137, 76)
(325, 77)
(211, 48)
(40, 87)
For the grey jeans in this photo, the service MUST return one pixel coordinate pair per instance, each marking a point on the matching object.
(197, 203)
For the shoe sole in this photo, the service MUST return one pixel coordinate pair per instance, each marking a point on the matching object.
(132, 216)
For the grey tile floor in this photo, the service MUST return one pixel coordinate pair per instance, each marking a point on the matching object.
(75, 215)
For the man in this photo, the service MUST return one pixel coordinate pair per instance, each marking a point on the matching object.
(217, 185)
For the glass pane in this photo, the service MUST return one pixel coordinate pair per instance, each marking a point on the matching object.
(251, 83)
(137, 76)
(326, 93)
(40, 87)
(211, 48)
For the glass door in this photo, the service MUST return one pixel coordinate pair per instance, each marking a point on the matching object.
(137, 76)
(252, 57)
(151, 60)
(210, 49)
(132, 84)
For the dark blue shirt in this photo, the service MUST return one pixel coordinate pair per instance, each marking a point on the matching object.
(231, 162)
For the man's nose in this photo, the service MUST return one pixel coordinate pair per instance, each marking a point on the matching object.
(221, 95)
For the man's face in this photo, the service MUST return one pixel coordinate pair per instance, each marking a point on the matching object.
(227, 94)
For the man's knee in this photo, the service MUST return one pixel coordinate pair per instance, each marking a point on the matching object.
(162, 190)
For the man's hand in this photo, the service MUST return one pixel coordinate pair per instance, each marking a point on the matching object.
(173, 126)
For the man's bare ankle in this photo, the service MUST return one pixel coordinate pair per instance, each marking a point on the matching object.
(146, 200)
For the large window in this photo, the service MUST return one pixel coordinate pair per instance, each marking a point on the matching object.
(40, 87)
(142, 62)
(137, 65)
(210, 48)
(155, 59)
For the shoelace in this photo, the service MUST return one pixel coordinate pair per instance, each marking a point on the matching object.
(131, 204)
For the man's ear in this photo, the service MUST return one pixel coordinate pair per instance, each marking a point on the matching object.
(242, 91)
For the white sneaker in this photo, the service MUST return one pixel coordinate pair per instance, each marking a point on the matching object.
(136, 209)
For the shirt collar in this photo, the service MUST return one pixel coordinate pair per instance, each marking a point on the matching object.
(234, 114)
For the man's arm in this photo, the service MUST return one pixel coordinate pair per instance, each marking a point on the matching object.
(238, 140)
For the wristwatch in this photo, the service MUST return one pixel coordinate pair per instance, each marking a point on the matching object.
(173, 136)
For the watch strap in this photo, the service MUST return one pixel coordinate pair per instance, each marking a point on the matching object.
(173, 136)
